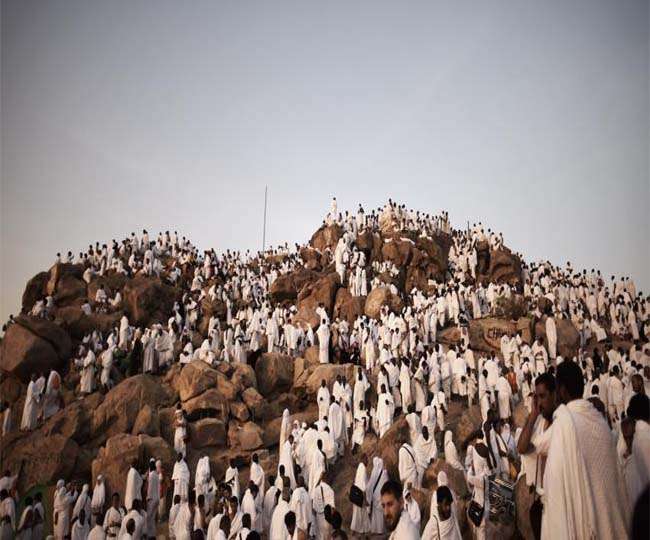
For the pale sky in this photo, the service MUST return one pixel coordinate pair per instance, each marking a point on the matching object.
(529, 116)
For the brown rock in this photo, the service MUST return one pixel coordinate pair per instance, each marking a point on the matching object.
(11, 388)
(58, 271)
(208, 404)
(379, 297)
(74, 421)
(274, 373)
(504, 267)
(388, 446)
(526, 328)
(397, 251)
(243, 377)
(24, 353)
(456, 478)
(146, 423)
(34, 290)
(249, 436)
(283, 289)
(326, 237)
(120, 408)
(46, 459)
(69, 290)
(207, 432)
(485, 334)
(311, 258)
(195, 378)
(470, 421)
(253, 400)
(511, 308)
(239, 411)
(523, 501)
(322, 291)
(348, 307)
(148, 300)
(307, 317)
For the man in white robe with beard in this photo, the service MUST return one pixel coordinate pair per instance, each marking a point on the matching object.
(63, 501)
(586, 494)
(443, 522)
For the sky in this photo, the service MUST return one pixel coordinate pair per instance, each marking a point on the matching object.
(531, 117)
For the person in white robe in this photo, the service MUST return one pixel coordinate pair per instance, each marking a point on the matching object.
(80, 527)
(451, 453)
(443, 521)
(426, 450)
(133, 490)
(408, 466)
(284, 427)
(26, 521)
(360, 518)
(63, 501)
(152, 499)
(270, 500)
(336, 424)
(378, 477)
(113, 518)
(582, 476)
(323, 400)
(83, 502)
(30, 409)
(98, 499)
(277, 529)
(323, 334)
(181, 478)
(504, 395)
(87, 383)
(51, 397)
(322, 496)
(385, 409)
(301, 505)
(232, 479)
(551, 336)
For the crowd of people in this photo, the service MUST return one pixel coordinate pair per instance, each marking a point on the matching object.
(584, 449)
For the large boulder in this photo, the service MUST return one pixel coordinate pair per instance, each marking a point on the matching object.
(348, 307)
(326, 237)
(379, 297)
(209, 404)
(469, 422)
(74, 421)
(34, 290)
(398, 251)
(207, 432)
(274, 373)
(311, 258)
(311, 377)
(120, 408)
(123, 450)
(78, 324)
(249, 436)
(568, 339)
(148, 300)
(34, 345)
(197, 377)
(70, 290)
(504, 267)
(322, 291)
(485, 334)
(283, 289)
(45, 459)
(146, 422)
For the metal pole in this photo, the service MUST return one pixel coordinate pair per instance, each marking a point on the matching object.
(264, 228)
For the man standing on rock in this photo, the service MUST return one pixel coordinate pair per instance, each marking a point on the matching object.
(323, 333)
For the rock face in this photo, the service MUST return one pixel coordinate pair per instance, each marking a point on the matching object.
(208, 432)
(348, 307)
(485, 334)
(379, 297)
(46, 459)
(148, 300)
(121, 406)
(322, 291)
(32, 346)
(503, 266)
(34, 290)
(195, 378)
(326, 237)
(274, 373)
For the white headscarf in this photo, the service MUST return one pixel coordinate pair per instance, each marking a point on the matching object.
(451, 454)
(99, 493)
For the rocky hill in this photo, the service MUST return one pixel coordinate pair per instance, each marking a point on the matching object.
(234, 409)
